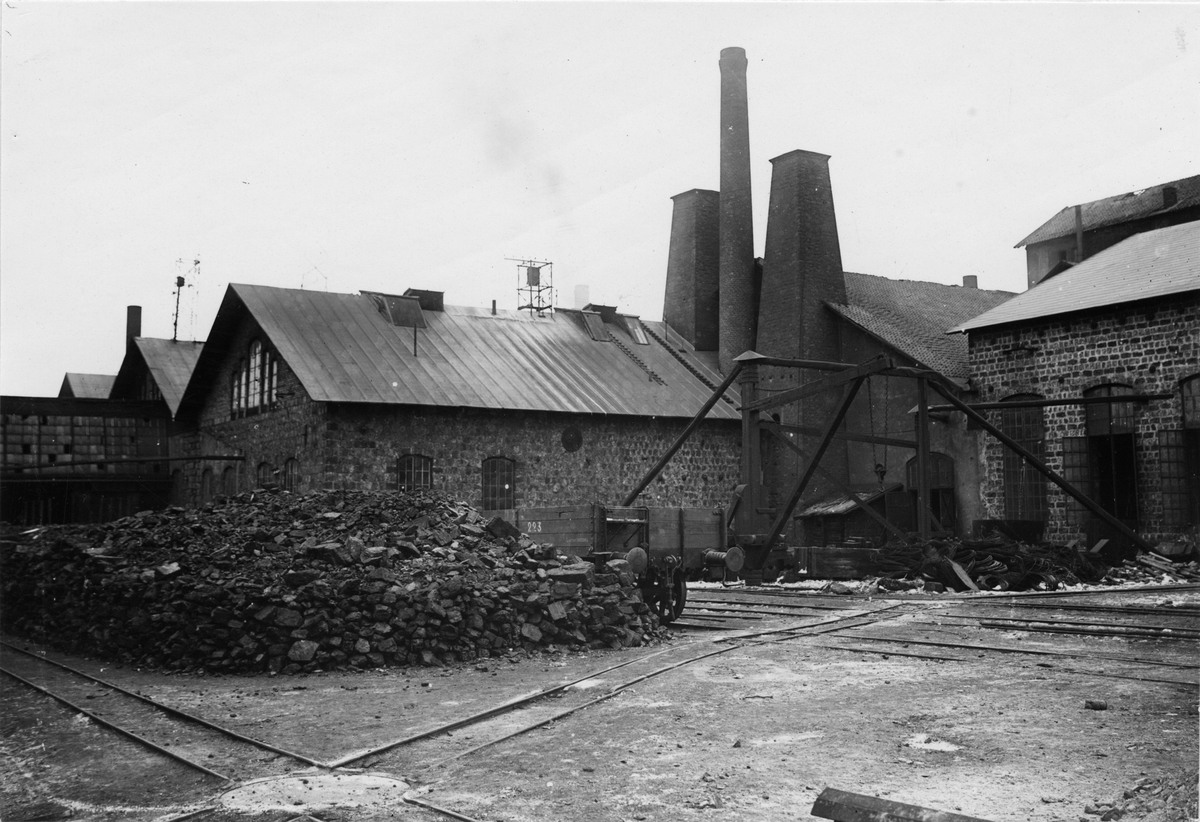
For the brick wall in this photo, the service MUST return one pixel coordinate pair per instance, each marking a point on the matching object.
(1150, 346)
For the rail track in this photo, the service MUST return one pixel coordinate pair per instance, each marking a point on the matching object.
(718, 621)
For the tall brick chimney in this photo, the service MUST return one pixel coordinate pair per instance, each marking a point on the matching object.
(737, 309)
(802, 271)
(691, 306)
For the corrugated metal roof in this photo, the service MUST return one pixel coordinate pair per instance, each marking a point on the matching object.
(342, 349)
(171, 363)
(87, 386)
(1145, 266)
(1121, 208)
(913, 316)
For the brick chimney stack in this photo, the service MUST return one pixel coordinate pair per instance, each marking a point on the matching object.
(133, 323)
(691, 306)
(737, 309)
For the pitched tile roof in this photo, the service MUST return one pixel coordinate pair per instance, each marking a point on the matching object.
(1122, 208)
(86, 386)
(913, 317)
(1145, 266)
(342, 349)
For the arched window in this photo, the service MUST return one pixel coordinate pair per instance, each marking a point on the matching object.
(177, 487)
(499, 483)
(1024, 486)
(235, 391)
(255, 381)
(941, 488)
(291, 475)
(264, 475)
(229, 481)
(414, 472)
(206, 485)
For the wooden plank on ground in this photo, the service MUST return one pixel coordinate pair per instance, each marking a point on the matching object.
(843, 806)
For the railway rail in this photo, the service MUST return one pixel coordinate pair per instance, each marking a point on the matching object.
(735, 619)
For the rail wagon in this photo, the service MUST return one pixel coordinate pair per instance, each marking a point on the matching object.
(664, 546)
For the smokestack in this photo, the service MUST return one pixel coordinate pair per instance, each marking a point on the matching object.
(802, 273)
(133, 323)
(582, 296)
(692, 303)
(970, 281)
(737, 309)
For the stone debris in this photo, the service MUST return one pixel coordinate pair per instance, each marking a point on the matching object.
(1170, 797)
(271, 581)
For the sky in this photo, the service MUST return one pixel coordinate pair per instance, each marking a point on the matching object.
(381, 146)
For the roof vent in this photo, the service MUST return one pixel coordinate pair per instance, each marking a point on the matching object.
(430, 300)
(970, 281)
(607, 312)
(401, 311)
(1170, 196)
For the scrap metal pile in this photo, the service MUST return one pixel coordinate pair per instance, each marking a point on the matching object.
(271, 581)
(995, 563)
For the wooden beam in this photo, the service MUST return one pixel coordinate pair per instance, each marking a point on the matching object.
(806, 477)
(866, 369)
(849, 436)
(843, 806)
(858, 501)
(998, 406)
(1043, 469)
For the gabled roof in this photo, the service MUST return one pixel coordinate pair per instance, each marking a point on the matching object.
(1122, 208)
(342, 349)
(1146, 266)
(170, 363)
(913, 316)
(86, 386)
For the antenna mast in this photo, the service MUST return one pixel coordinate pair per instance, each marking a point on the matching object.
(535, 286)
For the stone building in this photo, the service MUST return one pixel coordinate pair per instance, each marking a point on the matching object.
(1101, 365)
(1077, 232)
(502, 408)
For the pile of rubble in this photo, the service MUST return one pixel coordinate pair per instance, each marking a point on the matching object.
(993, 564)
(1167, 798)
(271, 581)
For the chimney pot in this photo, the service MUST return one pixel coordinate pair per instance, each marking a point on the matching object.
(493, 307)
(970, 281)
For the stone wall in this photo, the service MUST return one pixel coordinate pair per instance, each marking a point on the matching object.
(1151, 347)
(365, 442)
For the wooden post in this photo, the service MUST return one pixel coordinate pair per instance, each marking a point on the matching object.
(923, 507)
(748, 516)
(843, 806)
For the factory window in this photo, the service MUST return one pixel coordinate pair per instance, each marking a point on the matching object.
(255, 381)
(291, 475)
(415, 472)
(499, 484)
(1112, 452)
(1024, 486)
(1179, 462)
(941, 488)
(206, 485)
(229, 481)
(264, 475)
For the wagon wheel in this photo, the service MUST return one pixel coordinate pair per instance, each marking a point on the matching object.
(670, 596)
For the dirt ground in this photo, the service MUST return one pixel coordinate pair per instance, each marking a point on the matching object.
(755, 733)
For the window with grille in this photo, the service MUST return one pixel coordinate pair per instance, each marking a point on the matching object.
(291, 475)
(415, 472)
(1024, 486)
(206, 485)
(229, 481)
(941, 488)
(255, 382)
(1112, 452)
(264, 474)
(1179, 462)
(499, 483)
